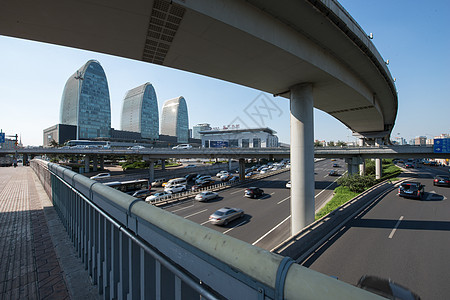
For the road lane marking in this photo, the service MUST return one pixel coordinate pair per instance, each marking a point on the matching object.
(329, 185)
(240, 191)
(205, 222)
(284, 200)
(267, 196)
(271, 230)
(234, 227)
(395, 227)
(199, 212)
(181, 208)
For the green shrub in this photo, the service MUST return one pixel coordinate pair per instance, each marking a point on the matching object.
(357, 183)
(342, 194)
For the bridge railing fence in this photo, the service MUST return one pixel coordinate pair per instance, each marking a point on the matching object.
(137, 251)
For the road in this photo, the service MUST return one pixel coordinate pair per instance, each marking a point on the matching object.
(267, 220)
(403, 239)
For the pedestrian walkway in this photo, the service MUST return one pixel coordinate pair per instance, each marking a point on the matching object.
(30, 265)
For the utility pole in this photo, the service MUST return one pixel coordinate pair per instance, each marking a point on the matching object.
(78, 78)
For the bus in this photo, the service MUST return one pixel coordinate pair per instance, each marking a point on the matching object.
(88, 144)
(131, 186)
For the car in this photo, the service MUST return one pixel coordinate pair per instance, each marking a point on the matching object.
(411, 189)
(288, 184)
(141, 194)
(333, 173)
(409, 165)
(253, 192)
(249, 174)
(336, 166)
(221, 173)
(178, 188)
(182, 146)
(159, 182)
(226, 177)
(136, 147)
(190, 166)
(225, 215)
(100, 175)
(264, 171)
(205, 196)
(202, 184)
(203, 178)
(333, 159)
(190, 176)
(233, 179)
(157, 196)
(441, 180)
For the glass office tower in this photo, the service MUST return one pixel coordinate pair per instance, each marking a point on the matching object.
(140, 112)
(174, 119)
(85, 102)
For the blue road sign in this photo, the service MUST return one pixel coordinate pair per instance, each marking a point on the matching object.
(441, 146)
(218, 144)
(2, 137)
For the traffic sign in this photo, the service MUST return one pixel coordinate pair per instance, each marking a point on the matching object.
(2, 137)
(441, 146)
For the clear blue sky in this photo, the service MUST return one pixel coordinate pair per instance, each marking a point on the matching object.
(412, 34)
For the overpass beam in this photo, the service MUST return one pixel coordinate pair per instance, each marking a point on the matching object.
(302, 157)
(241, 169)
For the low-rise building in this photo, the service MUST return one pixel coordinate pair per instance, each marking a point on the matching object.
(239, 138)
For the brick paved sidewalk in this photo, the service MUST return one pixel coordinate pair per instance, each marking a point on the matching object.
(29, 267)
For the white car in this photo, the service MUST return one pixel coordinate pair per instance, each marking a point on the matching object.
(137, 147)
(221, 173)
(100, 175)
(182, 146)
(288, 184)
(205, 196)
(157, 196)
(264, 171)
(175, 189)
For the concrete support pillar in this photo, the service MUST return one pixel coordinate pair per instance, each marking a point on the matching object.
(86, 163)
(95, 163)
(241, 169)
(229, 164)
(25, 158)
(378, 168)
(302, 157)
(362, 167)
(151, 171)
(163, 164)
(353, 165)
(102, 162)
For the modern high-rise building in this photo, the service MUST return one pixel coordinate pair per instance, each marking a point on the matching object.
(140, 112)
(85, 102)
(174, 119)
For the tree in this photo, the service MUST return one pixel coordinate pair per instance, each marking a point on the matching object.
(54, 144)
(331, 143)
(341, 144)
(318, 144)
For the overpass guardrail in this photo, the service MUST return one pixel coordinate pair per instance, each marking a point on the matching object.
(135, 250)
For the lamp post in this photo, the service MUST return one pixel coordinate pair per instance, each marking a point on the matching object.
(78, 78)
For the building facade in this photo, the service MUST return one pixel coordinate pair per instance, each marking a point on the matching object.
(239, 138)
(174, 119)
(200, 127)
(140, 112)
(60, 133)
(85, 102)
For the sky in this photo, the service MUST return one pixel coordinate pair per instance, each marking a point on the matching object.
(411, 34)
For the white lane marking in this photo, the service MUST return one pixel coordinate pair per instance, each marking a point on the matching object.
(395, 227)
(284, 200)
(267, 195)
(329, 185)
(205, 222)
(199, 212)
(181, 208)
(234, 227)
(239, 191)
(271, 230)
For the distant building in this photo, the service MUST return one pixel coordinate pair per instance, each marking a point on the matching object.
(174, 119)
(60, 133)
(199, 127)
(239, 138)
(140, 112)
(85, 102)
(420, 141)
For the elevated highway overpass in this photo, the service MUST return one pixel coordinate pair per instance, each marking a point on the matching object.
(311, 52)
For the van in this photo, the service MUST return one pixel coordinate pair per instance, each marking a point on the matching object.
(176, 181)
(158, 182)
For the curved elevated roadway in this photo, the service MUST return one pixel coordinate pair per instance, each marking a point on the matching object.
(311, 52)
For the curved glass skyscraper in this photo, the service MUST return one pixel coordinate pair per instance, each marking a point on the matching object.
(85, 102)
(140, 112)
(174, 119)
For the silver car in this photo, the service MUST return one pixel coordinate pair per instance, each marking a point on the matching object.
(205, 196)
(225, 215)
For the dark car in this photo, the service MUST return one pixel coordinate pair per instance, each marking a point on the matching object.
(409, 165)
(386, 288)
(191, 176)
(411, 189)
(202, 184)
(141, 194)
(441, 180)
(253, 192)
(336, 166)
(333, 173)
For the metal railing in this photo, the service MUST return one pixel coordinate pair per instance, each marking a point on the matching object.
(137, 251)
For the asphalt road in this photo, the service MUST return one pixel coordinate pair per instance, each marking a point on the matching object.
(403, 239)
(267, 220)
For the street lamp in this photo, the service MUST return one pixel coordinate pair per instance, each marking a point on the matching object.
(78, 78)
